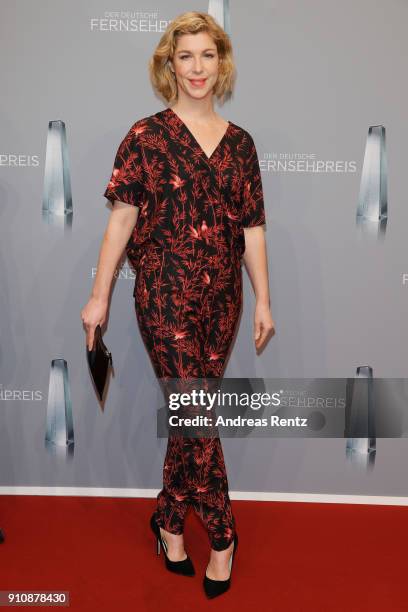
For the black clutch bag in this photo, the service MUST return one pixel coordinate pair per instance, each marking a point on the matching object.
(98, 360)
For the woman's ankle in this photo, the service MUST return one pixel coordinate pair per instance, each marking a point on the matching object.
(169, 535)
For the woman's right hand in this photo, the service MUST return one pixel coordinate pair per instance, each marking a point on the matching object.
(92, 314)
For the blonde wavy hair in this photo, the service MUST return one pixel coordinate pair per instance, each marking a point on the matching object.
(192, 22)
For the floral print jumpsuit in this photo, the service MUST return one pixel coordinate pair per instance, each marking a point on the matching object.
(186, 249)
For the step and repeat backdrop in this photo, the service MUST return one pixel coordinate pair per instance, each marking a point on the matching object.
(320, 87)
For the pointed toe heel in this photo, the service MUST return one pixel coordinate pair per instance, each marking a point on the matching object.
(214, 588)
(184, 567)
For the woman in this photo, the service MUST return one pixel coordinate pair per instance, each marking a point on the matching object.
(188, 206)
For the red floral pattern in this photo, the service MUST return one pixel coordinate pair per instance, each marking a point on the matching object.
(186, 249)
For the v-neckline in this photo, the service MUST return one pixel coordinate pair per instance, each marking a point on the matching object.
(181, 122)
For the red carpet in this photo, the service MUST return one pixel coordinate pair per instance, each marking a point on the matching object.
(291, 556)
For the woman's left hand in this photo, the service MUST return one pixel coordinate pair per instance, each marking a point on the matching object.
(264, 326)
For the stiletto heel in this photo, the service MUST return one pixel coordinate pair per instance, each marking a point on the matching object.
(184, 567)
(213, 588)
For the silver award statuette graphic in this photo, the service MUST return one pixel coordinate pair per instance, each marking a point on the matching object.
(360, 418)
(220, 10)
(57, 197)
(59, 437)
(372, 209)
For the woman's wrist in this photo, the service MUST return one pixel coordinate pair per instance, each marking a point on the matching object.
(103, 299)
(262, 300)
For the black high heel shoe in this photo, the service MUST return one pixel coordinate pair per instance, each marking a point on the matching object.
(213, 588)
(184, 567)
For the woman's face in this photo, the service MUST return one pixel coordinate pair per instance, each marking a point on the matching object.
(195, 64)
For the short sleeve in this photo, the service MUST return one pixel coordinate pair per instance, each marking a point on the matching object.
(127, 180)
(253, 209)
